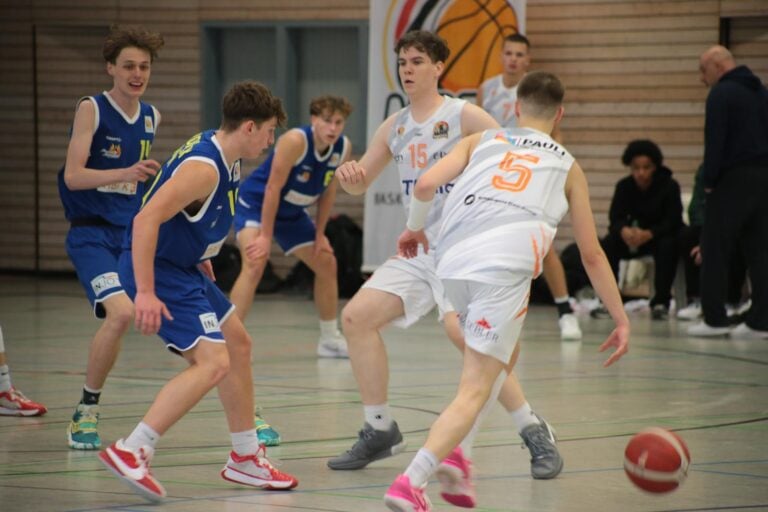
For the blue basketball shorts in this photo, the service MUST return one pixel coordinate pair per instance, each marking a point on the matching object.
(293, 229)
(94, 251)
(196, 304)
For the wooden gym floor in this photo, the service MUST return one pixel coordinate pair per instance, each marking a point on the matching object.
(714, 393)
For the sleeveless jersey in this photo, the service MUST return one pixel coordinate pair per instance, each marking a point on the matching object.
(499, 101)
(308, 178)
(504, 209)
(417, 146)
(186, 240)
(118, 142)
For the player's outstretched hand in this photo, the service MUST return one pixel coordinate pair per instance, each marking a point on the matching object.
(142, 170)
(259, 249)
(619, 339)
(149, 312)
(350, 173)
(408, 243)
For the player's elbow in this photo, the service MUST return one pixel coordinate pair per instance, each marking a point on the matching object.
(424, 189)
(592, 256)
(70, 179)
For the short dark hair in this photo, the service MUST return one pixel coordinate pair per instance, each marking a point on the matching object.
(121, 37)
(250, 101)
(540, 93)
(518, 38)
(331, 104)
(425, 41)
(642, 147)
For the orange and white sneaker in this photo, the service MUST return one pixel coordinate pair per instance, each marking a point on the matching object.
(14, 403)
(132, 467)
(256, 470)
(455, 476)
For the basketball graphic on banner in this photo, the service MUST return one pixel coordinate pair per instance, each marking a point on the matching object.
(475, 36)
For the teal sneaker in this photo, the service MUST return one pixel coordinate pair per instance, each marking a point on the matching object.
(81, 433)
(268, 436)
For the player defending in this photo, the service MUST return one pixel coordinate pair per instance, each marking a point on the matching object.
(186, 215)
(273, 202)
(403, 290)
(108, 156)
(497, 96)
(513, 188)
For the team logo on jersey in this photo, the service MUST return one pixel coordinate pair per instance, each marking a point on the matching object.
(440, 131)
(334, 160)
(149, 126)
(105, 282)
(236, 172)
(400, 130)
(113, 151)
(303, 177)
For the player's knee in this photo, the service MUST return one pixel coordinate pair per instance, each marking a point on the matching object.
(472, 396)
(353, 321)
(240, 347)
(217, 366)
(120, 318)
(253, 269)
(326, 266)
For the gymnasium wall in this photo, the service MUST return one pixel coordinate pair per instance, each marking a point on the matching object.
(630, 68)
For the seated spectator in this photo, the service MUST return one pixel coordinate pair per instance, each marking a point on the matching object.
(690, 251)
(645, 219)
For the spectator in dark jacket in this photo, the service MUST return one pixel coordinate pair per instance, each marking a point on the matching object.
(645, 218)
(736, 179)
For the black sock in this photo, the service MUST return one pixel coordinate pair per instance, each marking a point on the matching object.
(90, 398)
(564, 308)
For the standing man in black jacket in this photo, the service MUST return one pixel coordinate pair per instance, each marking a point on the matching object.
(646, 215)
(736, 181)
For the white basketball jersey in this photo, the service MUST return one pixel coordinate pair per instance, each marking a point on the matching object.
(499, 101)
(417, 146)
(503, 211)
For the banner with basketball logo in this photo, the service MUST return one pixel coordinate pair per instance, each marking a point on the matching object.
(475, 31)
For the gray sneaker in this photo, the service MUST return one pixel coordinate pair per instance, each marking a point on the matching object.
(371, 445)
(546, 461)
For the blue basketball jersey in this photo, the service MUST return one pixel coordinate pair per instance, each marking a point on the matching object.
(118, 142)
(187, 239)
(308, 179)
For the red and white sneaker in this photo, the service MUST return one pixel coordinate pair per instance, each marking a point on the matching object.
(455, 476)
(256, 470)
(133, 469)
(14, 403)
(403, 497)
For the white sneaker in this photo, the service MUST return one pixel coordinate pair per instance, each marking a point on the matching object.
(333, 347)
(738, 309)
(256, 470)
(744, 331)
(706, 330)
(690, 312)
(569, 327)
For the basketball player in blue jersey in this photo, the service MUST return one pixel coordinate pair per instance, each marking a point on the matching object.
(107, 162)
(497, 96)
(401, 291)
(272, 204)
(511, 189)
(165, 266)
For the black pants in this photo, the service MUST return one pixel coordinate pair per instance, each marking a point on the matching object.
(736, 216)
(664, 251)
(690, 237)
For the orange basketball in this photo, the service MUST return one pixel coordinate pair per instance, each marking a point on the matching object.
(475, 36)
(657, 460)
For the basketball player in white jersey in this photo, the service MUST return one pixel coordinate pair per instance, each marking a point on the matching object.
(401, 291)
(512, 188)
(497, 96)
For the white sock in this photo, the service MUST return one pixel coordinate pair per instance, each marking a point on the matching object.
(5, 378)
(329, 328)
(524, 416)
(142, 435)
(245, 443)
(421, 467)
(378, 416)
(2, 342)
(563, 299)
(467, 443)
